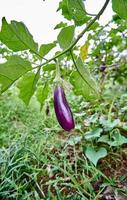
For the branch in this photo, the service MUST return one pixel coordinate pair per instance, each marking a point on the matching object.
(90, 14)
(79, 36)
(90, 24)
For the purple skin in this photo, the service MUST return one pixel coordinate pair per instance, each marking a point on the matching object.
(103, 68)
(62, 110)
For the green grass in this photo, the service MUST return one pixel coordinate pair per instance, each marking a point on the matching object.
(40, 161)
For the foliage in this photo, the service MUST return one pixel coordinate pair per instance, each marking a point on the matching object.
(94, 156)
(9, 76)
(37, 159)
(120, 8)
(17, 38)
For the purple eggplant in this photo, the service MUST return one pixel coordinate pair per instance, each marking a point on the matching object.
(102, 68)
(62, 109)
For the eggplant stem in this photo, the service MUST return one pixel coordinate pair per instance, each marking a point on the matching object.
(57, 70)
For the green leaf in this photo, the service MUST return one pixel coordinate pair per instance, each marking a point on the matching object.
(93, 134)
(94, 26)
(93, 155)
(87, 77)
(74, 10)
(12, 70)
(83, 82)
(17, 37)
(49, 67)
(109, 125)
(80, 87)
(45, 48)
(27, 86)
(66, 37)
(77, 11)
(74, 140)
(64, 7)
(42, 94)
(120, 7)
(115, 139)
(60, 25)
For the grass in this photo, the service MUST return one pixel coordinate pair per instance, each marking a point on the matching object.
(40, 161)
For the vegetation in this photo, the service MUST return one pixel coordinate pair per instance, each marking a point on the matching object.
(40, 160)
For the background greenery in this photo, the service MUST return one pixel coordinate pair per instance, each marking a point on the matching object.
(39, 160)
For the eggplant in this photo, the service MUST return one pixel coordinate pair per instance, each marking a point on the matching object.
(62, 109)
(102, 68)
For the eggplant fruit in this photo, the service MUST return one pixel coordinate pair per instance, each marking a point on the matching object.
(62, 109)
(102, 68)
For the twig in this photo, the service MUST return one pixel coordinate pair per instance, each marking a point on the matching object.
(79, 36)
(90, 14)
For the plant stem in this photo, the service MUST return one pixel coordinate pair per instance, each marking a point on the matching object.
(57, 70)
(80, 35)
(90, 24)
(90, 14)
(110, 109)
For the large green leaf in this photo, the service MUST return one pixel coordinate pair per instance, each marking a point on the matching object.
(12, 70)
(94, 155)
(17, 37)
(83, 82)
(27, 86)
(120, 7)
(77, 11)
(66, 36)
(42, 94)
(45, 48)
(63, 5)
(80, 87)
(74, 10)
